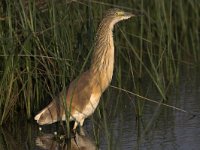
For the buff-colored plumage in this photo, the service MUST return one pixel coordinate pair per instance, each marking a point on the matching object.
(83, 94)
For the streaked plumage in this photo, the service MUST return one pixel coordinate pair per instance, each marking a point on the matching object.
(84, 93)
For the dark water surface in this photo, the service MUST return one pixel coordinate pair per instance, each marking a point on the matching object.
(159, 128)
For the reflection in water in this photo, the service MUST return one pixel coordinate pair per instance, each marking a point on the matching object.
(78, 142)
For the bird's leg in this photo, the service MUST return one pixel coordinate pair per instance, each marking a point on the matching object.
(74, 130)
(75, 125)
(81, 122)
(78, 123)
(82, 131)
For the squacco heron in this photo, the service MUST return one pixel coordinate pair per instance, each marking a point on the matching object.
(83, 94)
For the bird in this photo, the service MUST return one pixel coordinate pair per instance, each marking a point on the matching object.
(82, 96)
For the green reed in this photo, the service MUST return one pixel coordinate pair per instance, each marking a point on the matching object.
(44, 47)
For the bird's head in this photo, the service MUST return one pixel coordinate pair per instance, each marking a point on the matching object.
(115, 15)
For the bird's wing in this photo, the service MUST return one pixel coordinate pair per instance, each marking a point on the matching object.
(79, 92)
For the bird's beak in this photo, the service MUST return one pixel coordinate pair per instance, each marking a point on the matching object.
(129, 15)
(135, 14)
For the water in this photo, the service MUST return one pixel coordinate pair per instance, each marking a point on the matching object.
(158, 128)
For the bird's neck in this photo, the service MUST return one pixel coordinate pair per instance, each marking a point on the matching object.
(103, 55)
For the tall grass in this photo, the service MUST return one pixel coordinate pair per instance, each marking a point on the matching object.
(45, 45)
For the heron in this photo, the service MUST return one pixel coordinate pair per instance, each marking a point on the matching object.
(83, 94)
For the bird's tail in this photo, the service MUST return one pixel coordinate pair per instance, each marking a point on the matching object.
(50, 114)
